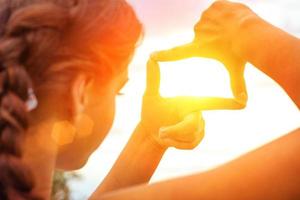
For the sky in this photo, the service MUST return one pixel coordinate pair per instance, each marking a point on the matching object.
(270, 113)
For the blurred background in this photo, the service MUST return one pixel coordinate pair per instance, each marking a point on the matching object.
(269, 114)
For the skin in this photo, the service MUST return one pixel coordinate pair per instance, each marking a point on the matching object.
(185, 130)
(97, 101)
(233, 34)
(266, 173)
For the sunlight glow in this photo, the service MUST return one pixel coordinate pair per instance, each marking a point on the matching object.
(269, 114)
(63, 133)
(194, 77)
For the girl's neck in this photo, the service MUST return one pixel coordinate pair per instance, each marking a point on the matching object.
(39, 154)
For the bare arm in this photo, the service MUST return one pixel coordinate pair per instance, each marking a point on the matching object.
(147, 145)
(273, 51)
(271, 172)
(233, 34)
(135, 165)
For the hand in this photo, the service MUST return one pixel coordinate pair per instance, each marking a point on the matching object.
(215, 36)
(173, 122)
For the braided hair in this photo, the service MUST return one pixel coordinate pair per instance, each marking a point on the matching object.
(36, 38)
(16, 180)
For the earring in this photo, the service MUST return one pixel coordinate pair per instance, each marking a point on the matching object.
(63, 133)
(84, 125)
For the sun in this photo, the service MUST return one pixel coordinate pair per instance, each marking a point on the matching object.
(190, 77)
(194, 77)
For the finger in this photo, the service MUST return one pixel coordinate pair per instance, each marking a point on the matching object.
(206, 34)
(219, 4)
(153, 78)
(169, 142)
(186, 105)
(178, 53)
(185, 130)
(237, 82)
(206, 23)
(179, 144)
(238, 87)
(210, 15)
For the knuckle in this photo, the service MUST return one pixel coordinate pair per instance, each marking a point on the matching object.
(200, 125)
(197, 142)
(176, 134)
(205, 14)
(192, 128)
(242, 101)
(242, 105)
(218, 4)
(200, 134)
(170, 133)
(189, 146)
(194, 143)
(241, 6)
(203, 123)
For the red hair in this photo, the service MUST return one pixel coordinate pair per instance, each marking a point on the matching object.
(44, 44)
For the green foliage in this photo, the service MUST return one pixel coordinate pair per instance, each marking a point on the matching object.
(60, 186)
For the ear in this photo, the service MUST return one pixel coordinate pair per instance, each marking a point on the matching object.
(80, 91)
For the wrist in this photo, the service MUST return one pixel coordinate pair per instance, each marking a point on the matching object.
(247, 24)
(151, 137)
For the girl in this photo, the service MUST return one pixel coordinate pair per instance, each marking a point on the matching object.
(62, 63)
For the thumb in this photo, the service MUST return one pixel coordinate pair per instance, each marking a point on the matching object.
(185, 130)
(177, 53)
